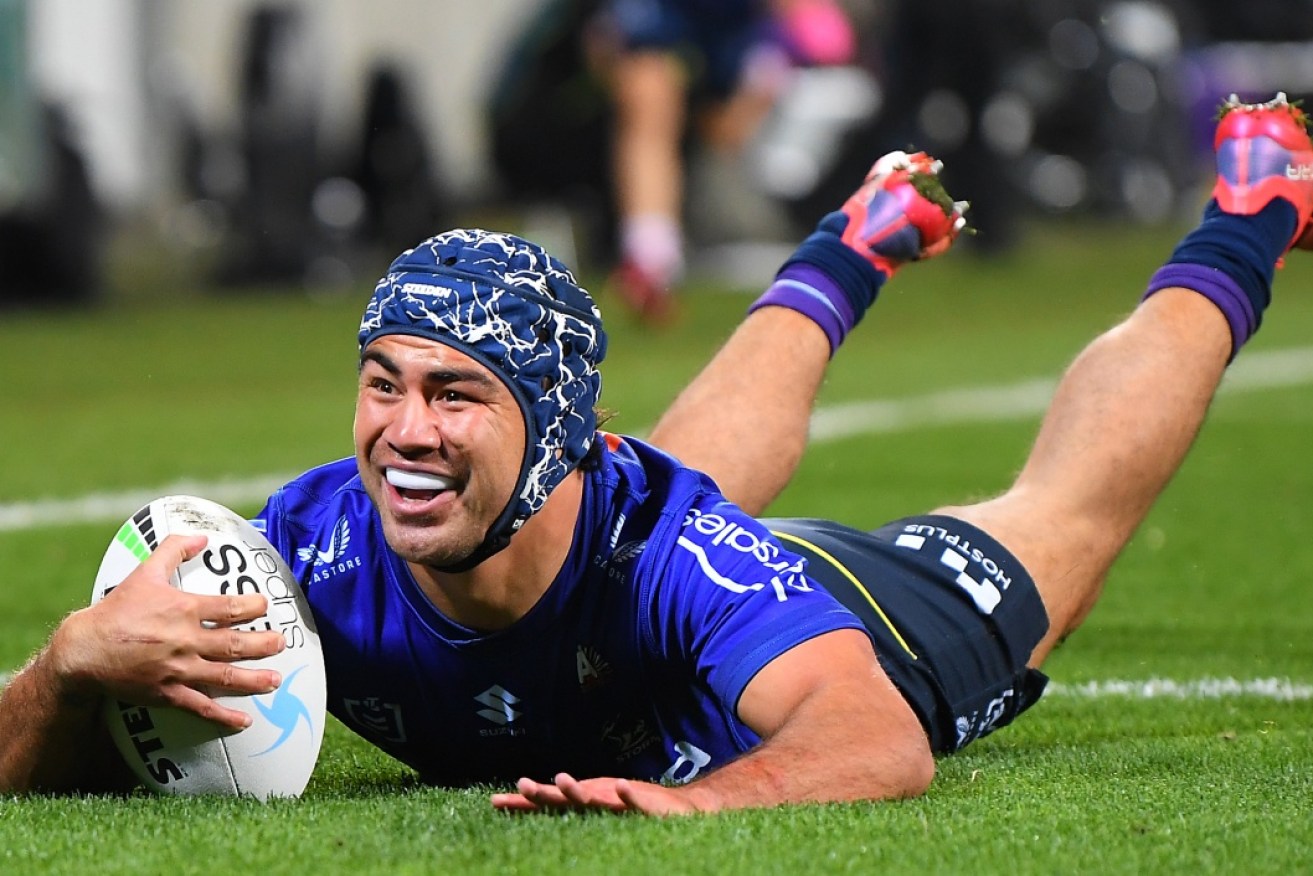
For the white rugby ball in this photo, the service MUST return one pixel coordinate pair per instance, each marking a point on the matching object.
(173, 751)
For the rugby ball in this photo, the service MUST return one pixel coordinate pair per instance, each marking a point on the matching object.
(173, 751)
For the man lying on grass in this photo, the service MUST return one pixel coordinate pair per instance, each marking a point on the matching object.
(523, 598)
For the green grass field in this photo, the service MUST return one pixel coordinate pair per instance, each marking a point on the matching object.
(1218, 584)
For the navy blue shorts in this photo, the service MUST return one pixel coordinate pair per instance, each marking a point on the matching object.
(712, 37)
(953, 616)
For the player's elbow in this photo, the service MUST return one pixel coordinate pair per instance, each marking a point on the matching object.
(912, 769)
(920, 773)
(898, 770)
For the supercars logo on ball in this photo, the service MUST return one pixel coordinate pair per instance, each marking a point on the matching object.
(285, 712)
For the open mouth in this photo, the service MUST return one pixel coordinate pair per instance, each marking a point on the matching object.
(418, 485)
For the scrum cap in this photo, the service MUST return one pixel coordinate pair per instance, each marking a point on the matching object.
(511, 306)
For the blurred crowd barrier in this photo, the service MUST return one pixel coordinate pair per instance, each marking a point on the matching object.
(1037, 107)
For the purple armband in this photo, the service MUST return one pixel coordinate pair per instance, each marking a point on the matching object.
(827, 282)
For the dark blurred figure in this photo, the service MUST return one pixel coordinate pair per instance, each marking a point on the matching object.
(287, 212)
(398, 180)
(939, 65)
(1257, 20)
(550, 119)
(1055, 107)
(1253, 48)
(52, 247)
(272, 230)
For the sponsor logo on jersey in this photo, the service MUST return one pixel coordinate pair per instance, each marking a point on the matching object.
(628, 742)
(985, 592)
(981, 722)
(619, 558)
(593, 668)
(500, 710)
(377, 718)
(285, 711)
(331, 559)
(780, 572)
(615, 530)
(628, 551)
(689, 761)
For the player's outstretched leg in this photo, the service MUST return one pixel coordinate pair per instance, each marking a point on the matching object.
(1128, 408)
(744, 418)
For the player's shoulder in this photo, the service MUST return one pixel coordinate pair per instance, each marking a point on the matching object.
(676, 510)
(645, 471)
(639, 497)
(327, 495)
(320, 486)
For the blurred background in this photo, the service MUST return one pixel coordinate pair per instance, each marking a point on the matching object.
(148, 146)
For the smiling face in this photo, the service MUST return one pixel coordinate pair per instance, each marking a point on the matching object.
(439, 442)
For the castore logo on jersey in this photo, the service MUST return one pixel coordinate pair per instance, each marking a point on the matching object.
(331, 560)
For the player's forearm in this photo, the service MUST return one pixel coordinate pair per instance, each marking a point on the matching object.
(824, 755)
(46, 731)
(770, 777)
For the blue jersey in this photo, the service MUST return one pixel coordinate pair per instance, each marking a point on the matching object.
(631, 664)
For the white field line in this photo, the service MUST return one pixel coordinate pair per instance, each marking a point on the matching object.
(1282, 689)
(1029, 398)
(1016, 401)
(116, 507)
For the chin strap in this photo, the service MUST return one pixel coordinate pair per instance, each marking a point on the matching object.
(494, 541)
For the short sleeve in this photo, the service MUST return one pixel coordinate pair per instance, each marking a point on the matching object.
(731, 599)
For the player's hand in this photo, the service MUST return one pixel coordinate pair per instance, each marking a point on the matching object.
(150, 644)
(612, 795)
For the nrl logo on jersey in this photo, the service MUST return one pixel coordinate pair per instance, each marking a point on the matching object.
(330, 560)
(377, 718)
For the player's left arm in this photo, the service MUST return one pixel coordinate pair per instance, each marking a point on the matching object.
(834, 728)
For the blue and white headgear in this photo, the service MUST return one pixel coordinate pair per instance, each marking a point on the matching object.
(512, 307)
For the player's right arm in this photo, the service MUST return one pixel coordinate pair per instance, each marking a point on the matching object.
(52, 738)
(145, 643)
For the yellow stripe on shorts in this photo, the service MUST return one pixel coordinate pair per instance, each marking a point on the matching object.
(824, 555)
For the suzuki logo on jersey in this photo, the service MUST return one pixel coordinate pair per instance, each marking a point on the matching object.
(329, 561)
(716, 532)
(501, 705)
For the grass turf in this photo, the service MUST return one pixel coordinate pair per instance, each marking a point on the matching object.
(1214, 585)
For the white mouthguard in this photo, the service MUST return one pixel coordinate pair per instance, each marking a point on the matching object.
(417, 480)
